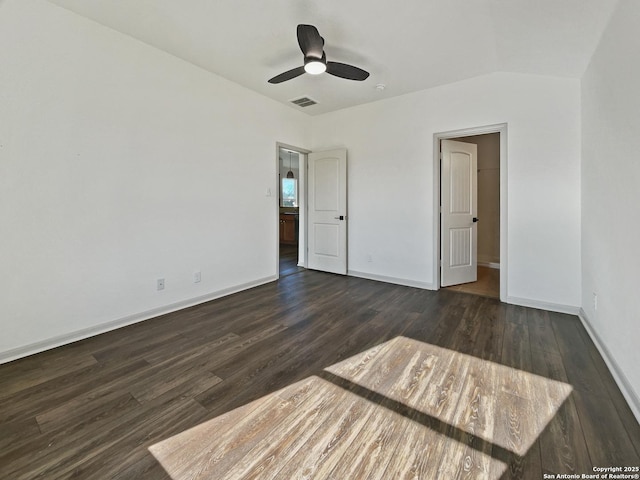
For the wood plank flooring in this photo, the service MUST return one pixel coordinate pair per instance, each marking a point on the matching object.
(288, 260)
(320, 376)
(487, 285)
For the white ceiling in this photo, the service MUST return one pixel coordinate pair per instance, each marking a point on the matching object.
(408, 45)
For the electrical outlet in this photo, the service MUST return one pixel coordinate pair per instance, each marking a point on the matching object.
(369, 258)
(197, 277)
(160, 284)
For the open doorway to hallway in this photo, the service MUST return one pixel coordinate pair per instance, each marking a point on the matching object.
(488, 216)
(290, 214)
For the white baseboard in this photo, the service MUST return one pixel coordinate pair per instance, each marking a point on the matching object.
(493, 265)
(488, 260)
(552, 307)
(630, 395)
(47, 344)
(397, 281)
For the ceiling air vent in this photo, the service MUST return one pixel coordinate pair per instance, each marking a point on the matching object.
(304, 102)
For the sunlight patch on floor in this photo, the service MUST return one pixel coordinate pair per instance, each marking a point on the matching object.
(403, 409)
(461, 390)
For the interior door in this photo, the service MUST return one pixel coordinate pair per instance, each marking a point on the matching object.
(327, 207)
(459, 210)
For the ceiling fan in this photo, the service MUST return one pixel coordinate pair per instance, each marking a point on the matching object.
(315, 60)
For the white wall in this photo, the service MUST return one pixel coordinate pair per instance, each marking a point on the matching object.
(120, 164)
(390, 151)
(611, 194)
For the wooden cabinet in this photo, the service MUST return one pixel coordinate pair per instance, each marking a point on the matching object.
(288, 229)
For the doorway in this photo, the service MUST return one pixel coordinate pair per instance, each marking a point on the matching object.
(487, 281)
(291, 163)
(491, 215)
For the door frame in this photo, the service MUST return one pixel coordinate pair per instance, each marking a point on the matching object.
(500, 128)
(302, 204)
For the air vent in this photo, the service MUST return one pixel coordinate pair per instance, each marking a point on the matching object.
(304, 102)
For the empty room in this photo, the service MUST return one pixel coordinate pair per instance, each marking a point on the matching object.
(306, 239)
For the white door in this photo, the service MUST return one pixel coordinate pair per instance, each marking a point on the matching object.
(327, 207)
(459, 201)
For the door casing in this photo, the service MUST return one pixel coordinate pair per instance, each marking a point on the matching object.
(500, 128)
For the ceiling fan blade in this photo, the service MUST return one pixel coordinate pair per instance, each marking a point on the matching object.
(349, 72)
(310, 41)
(283, 77)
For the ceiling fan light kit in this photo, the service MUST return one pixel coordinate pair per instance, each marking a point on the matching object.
(314, 66)
(315, 59)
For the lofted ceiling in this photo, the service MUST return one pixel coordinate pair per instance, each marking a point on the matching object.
(407, 45)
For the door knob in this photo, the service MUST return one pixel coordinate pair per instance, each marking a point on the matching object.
(475, 219)
(341, 217)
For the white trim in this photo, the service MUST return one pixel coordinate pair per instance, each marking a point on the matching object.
(37, 347)
(397, 281)
(540, 305)
(487, 260)
(500, 128)
(630, 395)
(493, 265)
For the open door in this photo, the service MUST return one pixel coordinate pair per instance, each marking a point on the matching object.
(327, 211)
(459, 210)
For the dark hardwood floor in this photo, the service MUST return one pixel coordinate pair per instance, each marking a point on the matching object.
(103, 407)
(289, 260)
